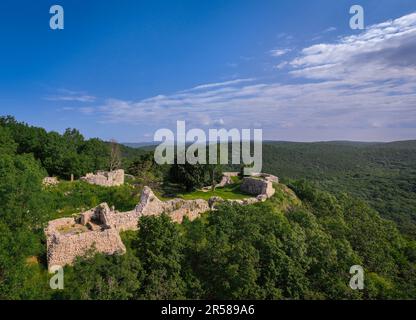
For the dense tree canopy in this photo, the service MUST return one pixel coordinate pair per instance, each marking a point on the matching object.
(281, 249)
(300, 244)
(61, 155)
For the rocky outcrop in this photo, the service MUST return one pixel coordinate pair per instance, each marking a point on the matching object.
(105, 178)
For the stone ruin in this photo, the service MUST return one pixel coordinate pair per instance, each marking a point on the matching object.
(99, 228)
(105, 178)
(50, 181)
(260, 184)
(266, 176)
(225, 180)
(68, 239)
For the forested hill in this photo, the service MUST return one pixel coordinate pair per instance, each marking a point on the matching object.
(61, 154)
(299, 244)
(383, 174)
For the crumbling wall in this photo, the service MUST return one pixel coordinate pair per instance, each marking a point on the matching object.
(105, 178)
(63, 248)
(96, 215)
(266, 177)
(177, 209)
(50, 181)
(261, 188)
(99, 227)
(227, 179)
(123, 221)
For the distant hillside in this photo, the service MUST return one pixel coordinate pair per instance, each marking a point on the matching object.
(138, 144)
(62, 154)
(300, 244)
(384, 174)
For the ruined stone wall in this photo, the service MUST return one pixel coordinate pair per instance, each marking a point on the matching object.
(177, 209)
(105, 179)
(123, 221)
(63, 249)
(227, 179)
(50, 181)
(259, 187)
(266, 177)
(96, 215)
(99, 228)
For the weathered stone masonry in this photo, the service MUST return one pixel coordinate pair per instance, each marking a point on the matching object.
(66, 241)
(98, 228)
(260, 185)
(105, 179)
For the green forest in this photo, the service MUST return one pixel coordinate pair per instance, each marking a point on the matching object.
(339, 204)
(382, 174)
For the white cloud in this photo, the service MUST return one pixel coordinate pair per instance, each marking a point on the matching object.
(279, 52)
(222, 84)
(384, 51)
(68, 95)
(361, 87)
(327, 104)
(281, 65)
(330, 29)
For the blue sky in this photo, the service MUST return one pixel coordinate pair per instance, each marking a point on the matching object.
(123, 69)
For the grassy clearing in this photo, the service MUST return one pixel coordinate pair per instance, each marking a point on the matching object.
(68, 198)
(230, 192)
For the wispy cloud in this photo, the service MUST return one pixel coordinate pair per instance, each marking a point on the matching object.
(320, 35)
(284, 36)
(359, 83)
(330, 29)
(279, 52)
(384, 51)
(281, 65)
(222, 84)
(68, 95)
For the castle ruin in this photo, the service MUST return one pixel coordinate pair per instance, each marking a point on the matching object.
(260, 184)
(99, 228)
(105, 178)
